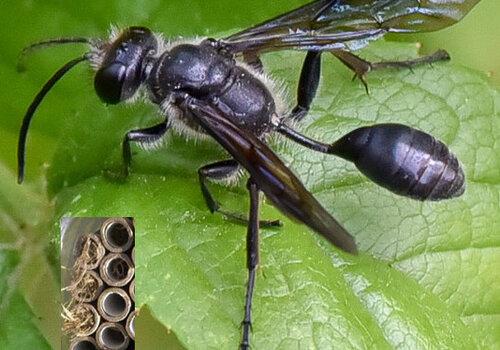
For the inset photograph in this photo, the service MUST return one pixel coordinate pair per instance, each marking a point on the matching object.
(98, 279)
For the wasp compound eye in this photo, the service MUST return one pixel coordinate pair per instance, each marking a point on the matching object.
(121, 72)
(109, 81)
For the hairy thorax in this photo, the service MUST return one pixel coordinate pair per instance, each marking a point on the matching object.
(202, 72)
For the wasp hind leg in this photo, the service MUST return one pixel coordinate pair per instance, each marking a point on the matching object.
(362, 67)
(308, 85)
(220, 171)
(252, 262)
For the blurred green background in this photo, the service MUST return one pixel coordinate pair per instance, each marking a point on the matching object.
(474, 42)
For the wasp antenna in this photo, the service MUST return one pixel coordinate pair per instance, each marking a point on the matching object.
(23, 133)
(44, 44)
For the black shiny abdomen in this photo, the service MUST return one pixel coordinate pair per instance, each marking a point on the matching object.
(404, 160)
(206, 74)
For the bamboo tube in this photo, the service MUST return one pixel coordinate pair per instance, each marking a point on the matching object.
(117, 235)
(131, 290)
(112, 336)
(130, 325)
(114, 304)
(116, 269)
(83, 343)
(81, 320)
(92, 251)
(87, 288)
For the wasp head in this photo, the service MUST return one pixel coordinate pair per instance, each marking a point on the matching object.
(123, 66)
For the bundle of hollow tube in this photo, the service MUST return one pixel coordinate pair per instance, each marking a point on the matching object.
(101, 311)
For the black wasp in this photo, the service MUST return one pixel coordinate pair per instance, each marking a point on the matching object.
(217, 88)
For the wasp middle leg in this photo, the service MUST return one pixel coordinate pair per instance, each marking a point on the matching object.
(220, 171)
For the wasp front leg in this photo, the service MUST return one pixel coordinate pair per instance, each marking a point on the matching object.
(147, 136)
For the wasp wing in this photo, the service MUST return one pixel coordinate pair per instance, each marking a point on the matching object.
(347, 24)
(271, 175)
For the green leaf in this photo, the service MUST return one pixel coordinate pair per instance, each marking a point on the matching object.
(29, 303)
(442, 256)
(19, 329)
(191, 271)
(190, 274)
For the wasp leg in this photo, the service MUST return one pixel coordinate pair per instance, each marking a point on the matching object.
(302, 139)
(252, 261)
(221, 171)
(308, 84)
(148, 135)
(361, 67)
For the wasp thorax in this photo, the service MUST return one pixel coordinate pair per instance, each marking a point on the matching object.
(195, 69)
(122, 69)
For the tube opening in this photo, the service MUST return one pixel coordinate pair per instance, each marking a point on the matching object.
(117, 235)
(114, 304)
(112, 336)
(84, 345)
(117, 269)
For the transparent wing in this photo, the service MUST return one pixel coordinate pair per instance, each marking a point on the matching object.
(347, 24)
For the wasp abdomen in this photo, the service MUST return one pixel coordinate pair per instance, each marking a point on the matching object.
(404, 160)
